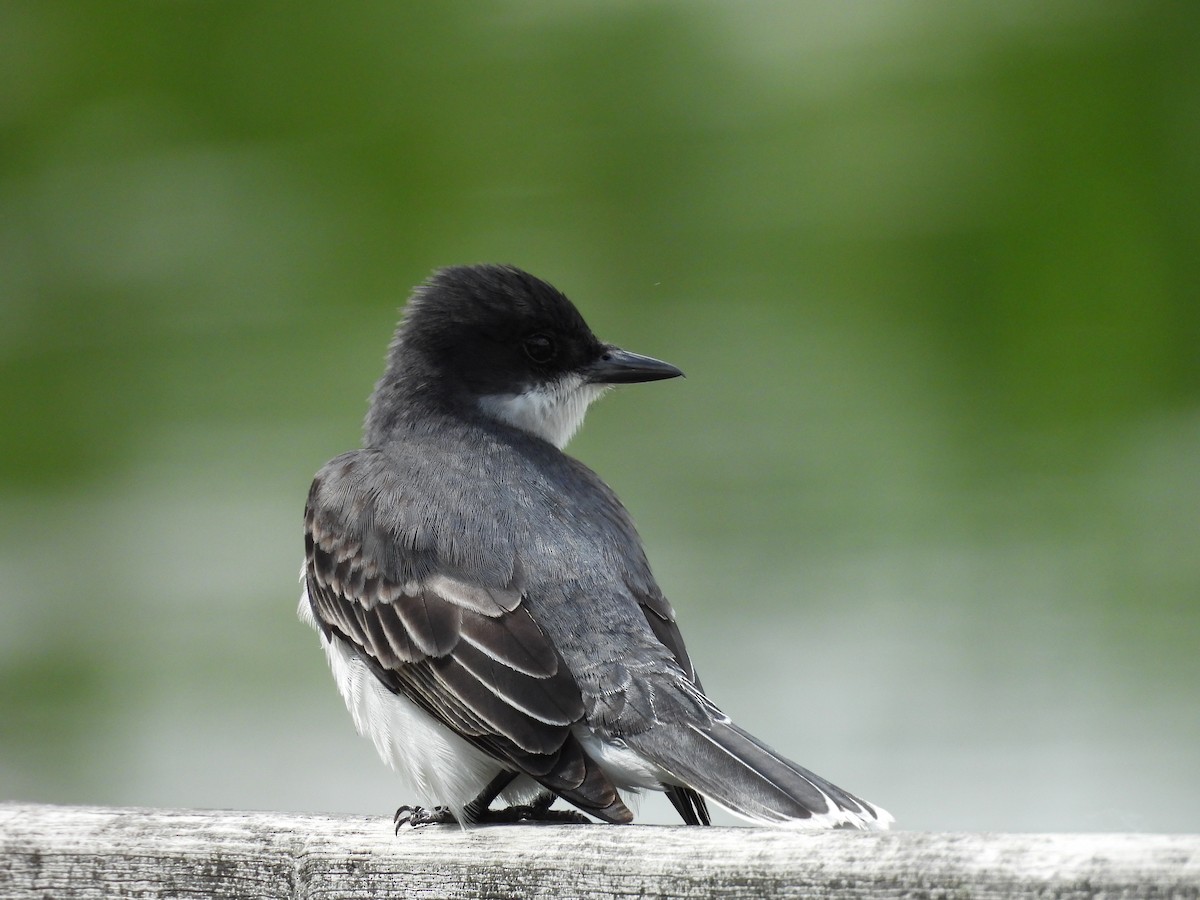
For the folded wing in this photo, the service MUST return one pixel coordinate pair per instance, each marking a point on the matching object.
(465, 650)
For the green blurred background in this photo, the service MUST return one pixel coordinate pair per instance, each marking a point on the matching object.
(928, 503)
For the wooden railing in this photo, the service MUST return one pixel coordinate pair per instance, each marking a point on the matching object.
(89, 852)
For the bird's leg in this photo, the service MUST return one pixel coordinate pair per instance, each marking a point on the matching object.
(475, 811)
(537, 811)
(478, 812)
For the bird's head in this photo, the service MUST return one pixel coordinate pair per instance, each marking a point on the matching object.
(498, 340)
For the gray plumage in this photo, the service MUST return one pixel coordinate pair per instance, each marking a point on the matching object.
(484, 599)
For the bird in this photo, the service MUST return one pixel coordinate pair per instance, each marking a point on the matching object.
(485, 602)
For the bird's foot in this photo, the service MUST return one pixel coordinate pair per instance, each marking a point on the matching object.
(419, 816)
(538, 811)
(533, 812)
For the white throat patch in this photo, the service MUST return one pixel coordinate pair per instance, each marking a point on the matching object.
(551, 411)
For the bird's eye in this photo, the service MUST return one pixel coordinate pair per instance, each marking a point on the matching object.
(540, 348)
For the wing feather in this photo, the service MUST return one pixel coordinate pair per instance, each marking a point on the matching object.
(431, 620)
(520, 645)
(661, 617)
(465, 649)
(395, 635)
(557, 704)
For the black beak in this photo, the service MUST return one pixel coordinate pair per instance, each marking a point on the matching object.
(617, 366)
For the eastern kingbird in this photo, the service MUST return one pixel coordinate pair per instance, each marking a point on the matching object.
(484, 599)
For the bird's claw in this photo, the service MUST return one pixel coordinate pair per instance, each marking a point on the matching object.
(420, 816)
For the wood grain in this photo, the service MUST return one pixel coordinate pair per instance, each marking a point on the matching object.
(88, 852)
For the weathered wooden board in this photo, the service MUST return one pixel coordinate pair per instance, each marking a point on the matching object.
(84, 852)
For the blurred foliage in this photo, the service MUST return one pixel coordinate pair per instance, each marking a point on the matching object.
(931, 268)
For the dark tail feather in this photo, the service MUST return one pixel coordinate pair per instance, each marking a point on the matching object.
(690, 805)
(739, 773)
